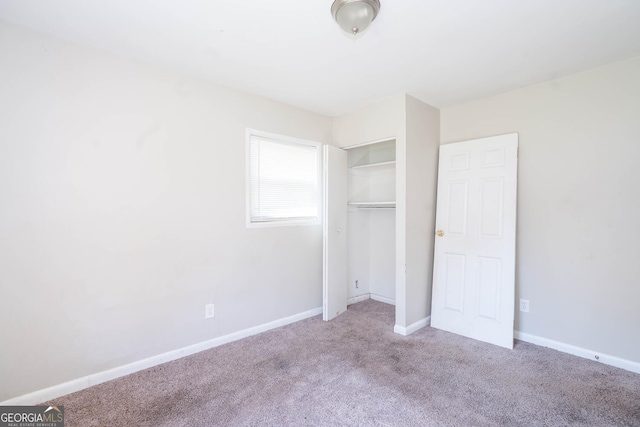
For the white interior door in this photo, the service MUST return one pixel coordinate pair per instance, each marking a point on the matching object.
(335, 233)
(474, 261)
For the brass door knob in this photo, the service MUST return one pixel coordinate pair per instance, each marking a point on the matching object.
(440, 233)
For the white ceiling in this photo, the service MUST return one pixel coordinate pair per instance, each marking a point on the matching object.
(442, 52)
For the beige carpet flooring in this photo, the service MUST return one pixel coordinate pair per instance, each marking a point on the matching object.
(354, 371)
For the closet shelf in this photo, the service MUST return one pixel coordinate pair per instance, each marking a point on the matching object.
(375, 165)
(373, 205)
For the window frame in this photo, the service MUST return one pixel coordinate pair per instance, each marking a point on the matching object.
(286, 140)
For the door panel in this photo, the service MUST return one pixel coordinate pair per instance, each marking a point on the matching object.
(454, 281)
(335, 233)
(489, 287)
(458, 202)
(459, 161)
(492, 207)
(474, 261)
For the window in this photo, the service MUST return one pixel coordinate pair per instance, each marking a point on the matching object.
(283, 180)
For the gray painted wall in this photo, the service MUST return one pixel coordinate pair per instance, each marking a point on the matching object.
(423, 141)
(122, 189)
(578, 229)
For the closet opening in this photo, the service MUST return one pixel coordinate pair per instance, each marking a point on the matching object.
(371, 222)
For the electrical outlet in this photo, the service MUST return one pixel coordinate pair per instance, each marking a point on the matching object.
(524, 305)
(208, 311)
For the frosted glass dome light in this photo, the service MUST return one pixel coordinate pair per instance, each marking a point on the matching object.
(354, 16)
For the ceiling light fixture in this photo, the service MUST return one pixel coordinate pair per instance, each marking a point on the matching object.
(354, 16)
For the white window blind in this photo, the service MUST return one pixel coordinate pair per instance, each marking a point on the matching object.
(283, 180)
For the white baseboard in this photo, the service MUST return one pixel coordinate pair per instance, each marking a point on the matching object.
(385, 300)
(359, 298)
(375, 297)
(580, 352)
(412, 327)
(90, 380)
